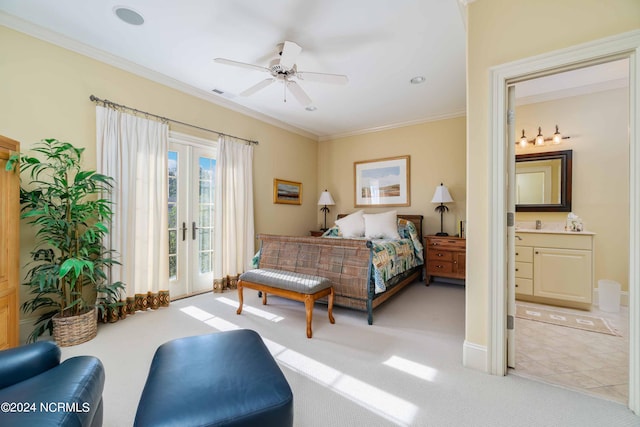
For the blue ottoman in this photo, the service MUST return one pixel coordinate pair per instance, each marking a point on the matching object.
(221, 379)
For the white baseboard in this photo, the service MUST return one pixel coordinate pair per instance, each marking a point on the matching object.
(474, 356)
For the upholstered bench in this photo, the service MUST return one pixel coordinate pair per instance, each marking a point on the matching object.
(221, 379)
(287, 284)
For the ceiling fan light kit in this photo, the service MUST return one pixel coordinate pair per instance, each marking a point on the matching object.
(285, 70)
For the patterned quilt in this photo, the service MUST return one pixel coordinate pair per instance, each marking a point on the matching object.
(392, 257)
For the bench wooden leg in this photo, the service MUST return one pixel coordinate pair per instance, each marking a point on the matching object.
(330, 307)
(240, 297)
(308, 306)
(264, 298)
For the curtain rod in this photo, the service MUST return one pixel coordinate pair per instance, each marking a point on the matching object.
(106, 102)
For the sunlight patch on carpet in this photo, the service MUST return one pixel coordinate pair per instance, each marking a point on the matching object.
(378, 401)
(418, 370)
(251, 309)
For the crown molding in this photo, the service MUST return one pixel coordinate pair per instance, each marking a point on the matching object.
(20, 25)
(393, 126)
(571, 92)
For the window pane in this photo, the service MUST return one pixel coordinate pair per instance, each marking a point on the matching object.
(205, 262)
(173, 242)
(173, 267)
(173, 215)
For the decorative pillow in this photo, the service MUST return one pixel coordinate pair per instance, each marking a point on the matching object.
(381, 226)
(351, 225)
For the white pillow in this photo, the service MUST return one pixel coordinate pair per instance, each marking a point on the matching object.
(381, 226)
(351, 225)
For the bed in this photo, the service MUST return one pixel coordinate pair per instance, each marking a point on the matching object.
(352, 264)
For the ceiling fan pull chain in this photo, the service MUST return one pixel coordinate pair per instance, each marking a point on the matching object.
(285, 89)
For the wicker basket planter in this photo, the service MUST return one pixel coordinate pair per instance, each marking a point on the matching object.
(74, 330)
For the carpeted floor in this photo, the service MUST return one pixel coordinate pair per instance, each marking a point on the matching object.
(405, 370)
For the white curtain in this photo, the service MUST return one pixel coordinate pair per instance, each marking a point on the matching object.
(234, 230)
(133, 151)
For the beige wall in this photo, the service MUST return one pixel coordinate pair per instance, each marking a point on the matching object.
(45, 94)
(598, 125)
(498, 32)
(437, 151)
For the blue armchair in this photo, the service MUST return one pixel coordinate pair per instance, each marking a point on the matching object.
(37, 390)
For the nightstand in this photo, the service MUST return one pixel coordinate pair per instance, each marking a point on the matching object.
(445, 257)
(316, 233)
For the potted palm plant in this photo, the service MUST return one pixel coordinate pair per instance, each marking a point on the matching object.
(68, 208)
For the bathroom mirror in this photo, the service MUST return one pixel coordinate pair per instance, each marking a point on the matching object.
(543, 182)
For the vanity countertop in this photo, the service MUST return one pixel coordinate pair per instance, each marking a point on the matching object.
(548, 228)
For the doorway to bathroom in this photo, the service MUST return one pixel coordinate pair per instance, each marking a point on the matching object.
(502, 228)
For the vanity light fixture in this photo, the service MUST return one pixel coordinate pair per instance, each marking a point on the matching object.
(540, 140)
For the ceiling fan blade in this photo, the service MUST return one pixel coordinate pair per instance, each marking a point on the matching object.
(255, 88)
(290, 52)
(241, 64)
(298, 93)
(339, 79)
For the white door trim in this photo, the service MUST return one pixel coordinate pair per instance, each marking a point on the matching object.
(622, 45)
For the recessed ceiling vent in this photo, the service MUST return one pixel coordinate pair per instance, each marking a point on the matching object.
(218, 91)
(128, 15)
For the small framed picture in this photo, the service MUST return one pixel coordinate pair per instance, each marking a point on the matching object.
(287, 192)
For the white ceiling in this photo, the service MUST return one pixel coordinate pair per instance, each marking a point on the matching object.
(379, 44)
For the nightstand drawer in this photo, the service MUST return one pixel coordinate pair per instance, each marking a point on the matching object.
(438, 267)
(436, 255)
(446, 243)
(524, 286)
(524, 254)
(524, 270)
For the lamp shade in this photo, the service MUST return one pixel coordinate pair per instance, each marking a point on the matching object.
(441, 195)
(326, 199)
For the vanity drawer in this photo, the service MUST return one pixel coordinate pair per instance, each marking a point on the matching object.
(524, 254)
(524, 286)
(524, 270)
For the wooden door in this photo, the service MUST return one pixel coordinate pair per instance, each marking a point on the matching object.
(9, 246)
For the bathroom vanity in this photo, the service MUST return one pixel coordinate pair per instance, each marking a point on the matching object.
(555, 267)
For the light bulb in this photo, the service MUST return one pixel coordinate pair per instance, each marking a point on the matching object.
(539, 137)
(557, 136)
(523, 140)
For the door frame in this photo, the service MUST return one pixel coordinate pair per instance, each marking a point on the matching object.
(625, 45)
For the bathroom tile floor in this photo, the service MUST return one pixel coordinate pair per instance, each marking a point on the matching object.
(589, 362)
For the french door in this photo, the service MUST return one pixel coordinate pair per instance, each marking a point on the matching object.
(191, 175)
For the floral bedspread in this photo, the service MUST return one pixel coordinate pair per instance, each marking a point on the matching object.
(392, 257)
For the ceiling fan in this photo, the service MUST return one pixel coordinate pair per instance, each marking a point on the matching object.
(285, 70)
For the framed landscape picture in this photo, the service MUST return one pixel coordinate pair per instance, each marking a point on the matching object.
(287, 192)
(383, 182)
